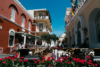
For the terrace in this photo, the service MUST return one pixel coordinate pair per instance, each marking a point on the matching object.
(54, 57)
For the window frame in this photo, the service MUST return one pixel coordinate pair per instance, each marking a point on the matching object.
(13, 14)
(39, 27)
(11, 30)
(23, 21)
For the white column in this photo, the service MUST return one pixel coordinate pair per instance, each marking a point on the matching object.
(24, 39)
(82, 35)
(56, 53)
(42, 42)
(35, 41)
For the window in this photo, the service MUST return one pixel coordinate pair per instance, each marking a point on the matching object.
(40, 27)
(13, 14)
(97, 23)
(29, 25)
(40, 14)
(11, 38)
(22, 21)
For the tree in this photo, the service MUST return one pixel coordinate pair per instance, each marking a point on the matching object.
(54, 38)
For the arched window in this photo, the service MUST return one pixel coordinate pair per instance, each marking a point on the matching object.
(29, 25)
(97, 23)
(23, 19)
(13, 14)
(11, 38)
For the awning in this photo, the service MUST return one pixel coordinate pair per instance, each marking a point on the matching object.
(29, 35)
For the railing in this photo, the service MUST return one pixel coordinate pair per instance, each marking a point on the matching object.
(41, 17)
(14, 48)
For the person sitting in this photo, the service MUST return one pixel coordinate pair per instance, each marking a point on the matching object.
(27, 45)
(76, 46)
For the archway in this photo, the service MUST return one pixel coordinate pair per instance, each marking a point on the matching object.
(79, 26)
(94, 28)
(79, 34)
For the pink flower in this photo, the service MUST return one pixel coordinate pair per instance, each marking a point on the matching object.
(49, 65)
(63, 58)
(33, 59)
(96, 64)
(4, 62)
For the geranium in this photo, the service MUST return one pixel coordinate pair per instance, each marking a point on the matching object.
(43, 57)
(4, 62)
(33, 59)
(90, 61)
(63, 58)
(58, 48)
(88, 57)
(16, 55)
(15, 60)
(36, 62)
(20, 60)
(96, 64)
(9, 58)
(52, 57)
(26, 60)
(40, 56)
(48, 59)
(49, 65)
(67, 57)
(1, 59)
(69, 62)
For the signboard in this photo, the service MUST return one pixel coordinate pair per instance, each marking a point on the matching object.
(0, 27)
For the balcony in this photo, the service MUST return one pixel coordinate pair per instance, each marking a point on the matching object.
(44, 31)
(45, 19)
(42, 17)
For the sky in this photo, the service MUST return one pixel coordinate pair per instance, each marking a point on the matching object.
(56, 8)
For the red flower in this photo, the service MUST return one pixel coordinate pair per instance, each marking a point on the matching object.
(33, 59)
(90, 61)
(96, 64)
(40, 56)
(88, 57)
(43, 57)
(56, 60)
(9, 58)
(36, 62)
(63, 58)
(16, 55)
(4, 62)
(52, 57)
(20, 60)
(69, 62)
(58, 48)
(48, 59)
(49, 64)
(1, 59)
(67, 57)
(26, 60)
(15, 60)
